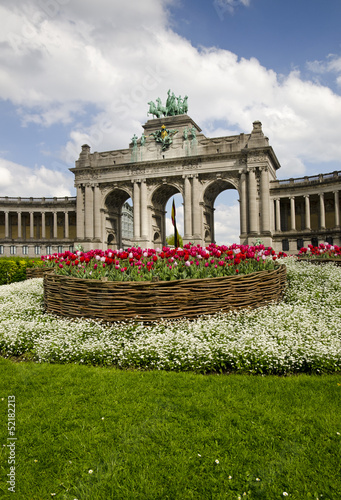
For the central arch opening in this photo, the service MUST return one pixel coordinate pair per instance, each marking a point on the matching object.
(118, 225)
(221, 213)
(162, 200)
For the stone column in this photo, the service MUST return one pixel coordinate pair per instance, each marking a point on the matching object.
(211, 211)
(43, 228)
(307, 212)
(187, 208)
(243, 202)
(66, 224)
(253, 214)
(265, 195)
(80, 213)
(55, 225)
(322, 212)
(292, 213)
(6, 224)
(19, 225)
(196, 207)
(31, 225)
(144, 211)
(136, 210)
(337, 208)
(97, 211)
(278, 214)
(89, 212)
(38, 228)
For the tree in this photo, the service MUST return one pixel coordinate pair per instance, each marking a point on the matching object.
(170, 240)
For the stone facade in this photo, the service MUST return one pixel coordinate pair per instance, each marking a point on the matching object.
(306, 210)
(193, 165)
(35, 226)
(174, 156)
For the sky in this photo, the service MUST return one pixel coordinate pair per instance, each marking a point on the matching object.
(79, 71)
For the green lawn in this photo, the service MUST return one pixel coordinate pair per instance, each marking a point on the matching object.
(157, 435)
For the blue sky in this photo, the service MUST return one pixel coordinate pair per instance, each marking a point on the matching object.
(76, 71)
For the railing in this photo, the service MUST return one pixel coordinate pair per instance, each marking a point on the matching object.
(320, 178)
(18, 199)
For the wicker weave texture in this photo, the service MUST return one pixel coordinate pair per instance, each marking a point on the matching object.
(147, 301)
(36, 272)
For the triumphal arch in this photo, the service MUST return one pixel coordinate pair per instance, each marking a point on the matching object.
(171, 156)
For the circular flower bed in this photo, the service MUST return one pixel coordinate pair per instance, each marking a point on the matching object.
(323, 251)
(150, 284)
(322, 254)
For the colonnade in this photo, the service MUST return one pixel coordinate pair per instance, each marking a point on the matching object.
(307, 211)
(36, 219)
(32, 226)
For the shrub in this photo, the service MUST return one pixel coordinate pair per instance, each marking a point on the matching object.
(13, 269)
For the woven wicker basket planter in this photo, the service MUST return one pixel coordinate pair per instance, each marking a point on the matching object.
(37, 272)
(151, 301)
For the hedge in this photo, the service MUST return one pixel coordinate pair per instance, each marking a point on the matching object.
(13, 269)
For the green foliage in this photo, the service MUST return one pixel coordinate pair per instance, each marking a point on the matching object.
(170, 240)
(13, 269)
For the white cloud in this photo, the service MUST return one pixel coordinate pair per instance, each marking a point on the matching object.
(228, 6)
(179, 217)
(18, 180)
(6, 178)
(331, 64)
(226, 224)
(113, 57)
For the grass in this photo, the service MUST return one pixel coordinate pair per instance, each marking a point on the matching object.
(157, 435)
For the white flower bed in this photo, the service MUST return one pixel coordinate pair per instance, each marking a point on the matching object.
(303, 333)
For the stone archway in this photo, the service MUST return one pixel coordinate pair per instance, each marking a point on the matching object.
(113, 217)
(210, 194)
(159, 200)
